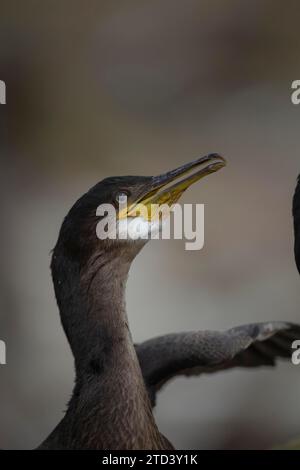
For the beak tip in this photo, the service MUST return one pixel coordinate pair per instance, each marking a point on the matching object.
(217, 156)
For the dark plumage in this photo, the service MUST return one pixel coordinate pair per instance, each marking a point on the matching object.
(296, 217)
(295, 443)
(116, 382)
(198, 352)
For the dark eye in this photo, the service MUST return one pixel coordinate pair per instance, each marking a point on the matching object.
(122, 197)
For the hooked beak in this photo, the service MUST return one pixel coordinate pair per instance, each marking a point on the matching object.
(161, 192)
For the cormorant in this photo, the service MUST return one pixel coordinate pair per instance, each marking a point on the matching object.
(116, 381)
(296, 217)
(294, 444)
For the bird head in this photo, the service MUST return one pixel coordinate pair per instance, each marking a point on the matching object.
(131, 199)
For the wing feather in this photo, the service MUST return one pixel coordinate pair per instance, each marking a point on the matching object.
(194, 353)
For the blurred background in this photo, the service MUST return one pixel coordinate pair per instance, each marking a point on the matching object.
(103, 88)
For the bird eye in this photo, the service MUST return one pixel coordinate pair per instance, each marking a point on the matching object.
(122, 197)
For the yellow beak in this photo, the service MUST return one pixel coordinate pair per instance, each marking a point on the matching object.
(161, 193)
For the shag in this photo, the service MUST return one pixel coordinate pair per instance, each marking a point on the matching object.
(117, 381)
(294, 444)
(296, 218)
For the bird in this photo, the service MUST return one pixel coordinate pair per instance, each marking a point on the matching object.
(296, 219)
(116, 379)
(294, 444)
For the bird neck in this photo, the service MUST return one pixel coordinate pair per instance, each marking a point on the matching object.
(108, 374)
(107, 339)
(91, 300)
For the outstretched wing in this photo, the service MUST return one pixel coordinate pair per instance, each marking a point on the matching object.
(193, 353)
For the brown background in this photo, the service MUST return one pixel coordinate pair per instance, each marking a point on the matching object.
(137, 87)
